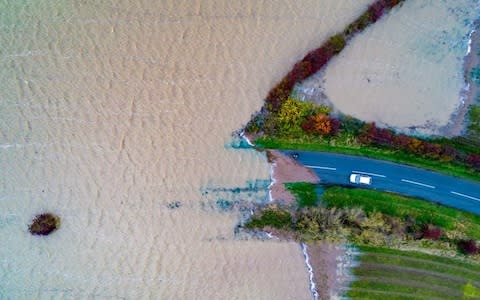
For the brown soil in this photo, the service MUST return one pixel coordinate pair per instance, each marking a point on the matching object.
(286, 169)
(327, 261)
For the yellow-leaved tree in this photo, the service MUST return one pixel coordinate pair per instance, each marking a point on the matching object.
(292, 114)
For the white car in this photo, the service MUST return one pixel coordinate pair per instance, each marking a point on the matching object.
(360, 179)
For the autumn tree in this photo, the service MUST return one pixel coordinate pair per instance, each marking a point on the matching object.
(292, 114)
(415, 146)
(337, 42)
(321, 124)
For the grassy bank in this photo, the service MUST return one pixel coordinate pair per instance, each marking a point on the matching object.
(392, 274)
(346, 145)
(393, 205)
(303, 192)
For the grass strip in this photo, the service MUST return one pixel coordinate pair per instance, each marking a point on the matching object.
(429, 266)
(415, 291)
(429, 263)
(420, 255)
(386, 274)
(304, 192)
(394, 274)
(359, 293)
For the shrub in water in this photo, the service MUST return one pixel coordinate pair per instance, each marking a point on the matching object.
(44, 224)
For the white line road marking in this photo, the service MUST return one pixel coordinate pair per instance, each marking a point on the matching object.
(373, 174)
(466, 196)
(418, 183)
(323, 168)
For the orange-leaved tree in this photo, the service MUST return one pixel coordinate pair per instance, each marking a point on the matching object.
(320, 124)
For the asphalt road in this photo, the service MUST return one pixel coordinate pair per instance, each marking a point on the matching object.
(387, 176)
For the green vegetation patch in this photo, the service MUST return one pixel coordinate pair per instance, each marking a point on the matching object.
(291, 115)
(470, 291)
(404, 207)
(304, 192)
(393, 274)
(271, 217)
(338, 42)
(474, 122)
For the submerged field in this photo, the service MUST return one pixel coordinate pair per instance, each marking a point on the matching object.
(393, 274)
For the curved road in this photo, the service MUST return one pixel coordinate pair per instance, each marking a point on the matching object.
(447, 190)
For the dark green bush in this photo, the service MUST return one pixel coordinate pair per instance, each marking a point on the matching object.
(273, 217)
(358, 25)
(351, 125)
(338, 42)
(304, 192)
(474, 121)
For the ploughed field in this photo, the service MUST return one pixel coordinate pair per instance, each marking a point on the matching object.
(393, 274)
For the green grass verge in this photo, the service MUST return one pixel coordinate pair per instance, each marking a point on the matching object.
(304, 192)
(346, 147)
(401, 206)
(393, 274)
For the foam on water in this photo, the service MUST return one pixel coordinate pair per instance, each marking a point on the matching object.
(243, 136)
(313, 288)
(469, 48)
(273, 181)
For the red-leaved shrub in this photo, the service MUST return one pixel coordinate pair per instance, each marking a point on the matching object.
(376, 10)
(431, 232)
(474, 161)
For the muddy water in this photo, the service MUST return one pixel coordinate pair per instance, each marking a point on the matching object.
(112, 110)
